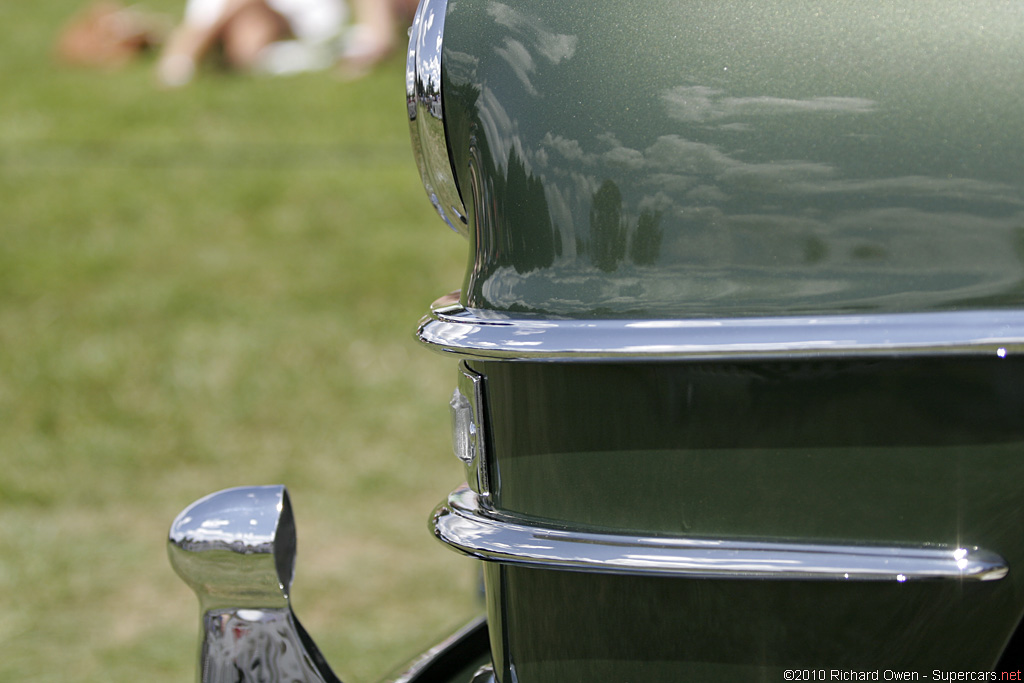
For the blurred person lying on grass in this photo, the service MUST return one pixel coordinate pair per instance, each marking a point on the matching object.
(253, 35)
(282, 36)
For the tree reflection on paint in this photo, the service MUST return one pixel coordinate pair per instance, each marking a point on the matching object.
(609, 232)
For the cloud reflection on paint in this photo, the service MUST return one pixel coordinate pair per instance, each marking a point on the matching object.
(529, 37)
(709, 209)
(699, 103)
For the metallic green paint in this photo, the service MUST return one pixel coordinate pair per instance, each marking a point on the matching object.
(731, 158)
(922, 450)
(727, 159)
(891, 450)
(563, 626)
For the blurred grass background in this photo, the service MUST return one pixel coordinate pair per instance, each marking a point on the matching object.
(205, 288)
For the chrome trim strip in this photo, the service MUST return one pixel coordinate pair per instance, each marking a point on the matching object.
(426, 113)
(467, 526)
(487, 336)
(471, 389)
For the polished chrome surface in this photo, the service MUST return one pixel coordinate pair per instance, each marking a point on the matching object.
(468, 427)
(426, 113)
(469, 527)
(236, 550)
(463, 428)
(258, 645)
(484, 674)
(487, 335)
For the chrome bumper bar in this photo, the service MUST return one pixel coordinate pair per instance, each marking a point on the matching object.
(236, 550)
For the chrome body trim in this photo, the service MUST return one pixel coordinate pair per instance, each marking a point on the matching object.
(471, 388)
(236, 550)
(484, 674)
(468, 439)
(470, 528)
(488, 336)
(426, 113)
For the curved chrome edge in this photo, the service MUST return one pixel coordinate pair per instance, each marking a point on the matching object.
(467, 526)
(426, 113)
(477, 335)
(236, 547)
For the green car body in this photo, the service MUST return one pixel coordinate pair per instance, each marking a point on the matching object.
(723, 159)
(740, 348)
(744, 287)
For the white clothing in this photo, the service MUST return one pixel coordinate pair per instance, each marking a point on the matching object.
(311, 21)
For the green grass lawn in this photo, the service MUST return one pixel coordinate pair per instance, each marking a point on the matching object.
(206, 288)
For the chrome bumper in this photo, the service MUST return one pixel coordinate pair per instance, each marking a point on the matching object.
(236, 550)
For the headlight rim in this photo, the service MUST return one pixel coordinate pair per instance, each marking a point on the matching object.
(425, 105)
